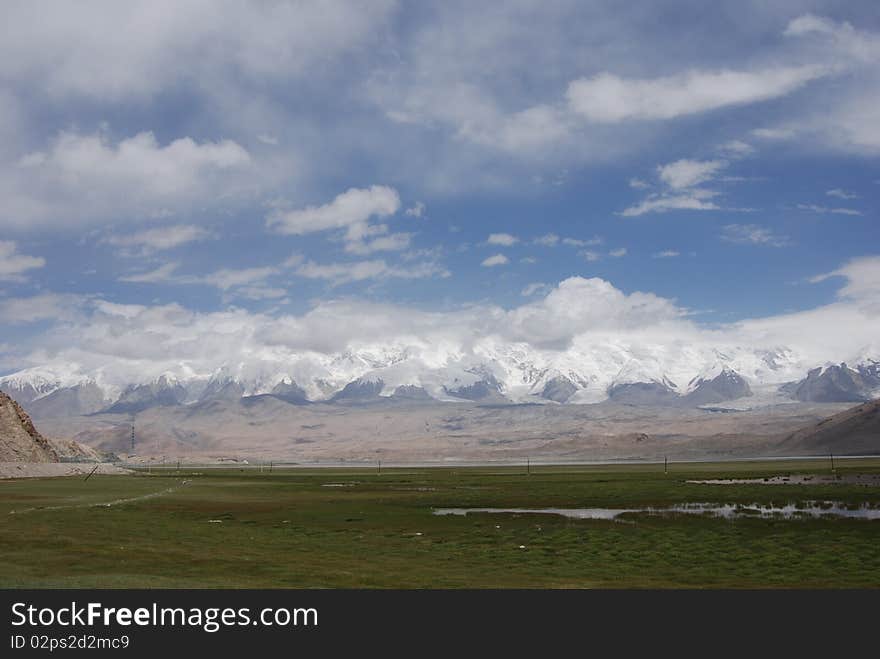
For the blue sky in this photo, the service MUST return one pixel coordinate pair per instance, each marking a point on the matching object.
(270, 158)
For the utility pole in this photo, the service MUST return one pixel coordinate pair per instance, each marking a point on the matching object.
(665, 465)
(379, 468)
(528, 467)
(132, 438)
(832, 463)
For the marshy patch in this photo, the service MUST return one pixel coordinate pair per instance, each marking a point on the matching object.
(793, 511)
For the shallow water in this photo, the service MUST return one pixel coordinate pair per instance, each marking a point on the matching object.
(809, 509)
(868, 480)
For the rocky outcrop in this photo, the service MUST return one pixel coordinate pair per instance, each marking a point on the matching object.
(85, 398)
(559, 389)
(486, 390)
(19, 439)
(643, 393)
(855, 431)
(411, 392)
(727, 385)
(832, 384)
(360, 391)
(290, 392)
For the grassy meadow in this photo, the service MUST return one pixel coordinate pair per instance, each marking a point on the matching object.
(356, 528)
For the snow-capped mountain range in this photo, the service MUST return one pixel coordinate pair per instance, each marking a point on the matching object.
(495, 372)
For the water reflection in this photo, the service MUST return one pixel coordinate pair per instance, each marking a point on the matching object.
(808, 509)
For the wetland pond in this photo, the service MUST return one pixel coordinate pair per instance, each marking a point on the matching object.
(804, 510)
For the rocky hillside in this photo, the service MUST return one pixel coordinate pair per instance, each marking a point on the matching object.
(855, 431)
(19, 439)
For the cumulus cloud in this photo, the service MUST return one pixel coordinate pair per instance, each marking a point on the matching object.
(577, 319)
(609, 98)
(589, 255)
(503, 239)
(13, 264)
(666, 254)
(495, 260)
(753, 234)
(87, 178)
(617, 253)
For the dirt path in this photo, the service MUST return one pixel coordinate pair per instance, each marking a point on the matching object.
(105, 504)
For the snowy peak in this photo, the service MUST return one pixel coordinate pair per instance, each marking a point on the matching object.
(836, 383)
(491, 372)
(727, 385)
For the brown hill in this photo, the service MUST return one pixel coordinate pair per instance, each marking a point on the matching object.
(19, 439)
(852, 432)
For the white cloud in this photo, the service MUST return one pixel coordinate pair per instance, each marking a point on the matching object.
(862, 277)
(537, 288)
(163, 274)
(666, 254)
(826, 210)
(342, 273)
(688, 173)
(576, 320)
(680, 179)
(351, 210)
(417, 210)
(577, 242)
(260, 292)
(265, 138)
(495, 260)
(134, 50)
(37, 308)
(13, 264)
(390, 243)
(638, 184)
(504, 239)
(547, 240)
(87, 179)
(589, 255)
(223, 279)
(753, 234)
(774, 133)
(227, 278)
(160, 238)
(699, 200)
(841, 194)
(617, 253)
(736, 149)
(608, 98)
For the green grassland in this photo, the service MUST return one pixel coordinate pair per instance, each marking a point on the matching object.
(288, 529)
